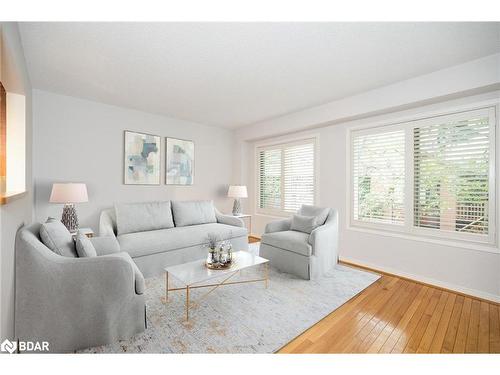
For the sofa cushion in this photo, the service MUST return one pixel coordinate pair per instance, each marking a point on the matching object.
(159, 241)
(193, 213)
(305, 224)
(105, 245)
(84, 247)
(290, 240)
(321, 213)
(139, 217)
(57, 238)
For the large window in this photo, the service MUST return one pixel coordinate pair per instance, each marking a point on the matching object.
(379, 177)
(12, 145)
(286, 176)
(432, 177)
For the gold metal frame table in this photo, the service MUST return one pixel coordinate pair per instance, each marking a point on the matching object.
(193, 274)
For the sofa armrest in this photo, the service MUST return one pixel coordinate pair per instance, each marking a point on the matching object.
(229, 219)
(107, 223)
(324, 239)
(320, 234)
(278, 226)
(113, 275)
(324, 242)
(105, 245)
(140, 284)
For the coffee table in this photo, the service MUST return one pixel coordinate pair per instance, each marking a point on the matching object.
(196, 275)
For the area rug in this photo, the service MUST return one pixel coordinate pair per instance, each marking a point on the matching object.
(242, 318)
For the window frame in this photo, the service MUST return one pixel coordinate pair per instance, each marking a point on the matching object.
(408, 229)
(282, 145)
(3, 139)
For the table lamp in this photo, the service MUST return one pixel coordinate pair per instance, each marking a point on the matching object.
(69, 194)
(237, 192)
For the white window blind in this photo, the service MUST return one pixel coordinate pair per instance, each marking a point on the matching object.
(430, 177)
(451, 169)
(298, 176)
(286, 175)
(270, 179)
(379, 177)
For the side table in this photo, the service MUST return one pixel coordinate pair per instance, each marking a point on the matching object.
(249, 217)
(86, 231)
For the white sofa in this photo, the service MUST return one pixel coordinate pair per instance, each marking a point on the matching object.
(159, 234)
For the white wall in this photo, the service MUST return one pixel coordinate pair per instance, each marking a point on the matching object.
(15, 79)
(467, 270)
(462, 80)
(78, 140)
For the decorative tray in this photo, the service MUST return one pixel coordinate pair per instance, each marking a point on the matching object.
(218, 266)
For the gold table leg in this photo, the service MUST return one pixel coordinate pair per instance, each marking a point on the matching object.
(166, 287)
(266, 282)
(187, 303)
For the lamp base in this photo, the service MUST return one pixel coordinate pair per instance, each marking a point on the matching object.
(70, 218)
(237, 207)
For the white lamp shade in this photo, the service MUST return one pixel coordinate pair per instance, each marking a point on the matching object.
(69, 193)
(237, 191)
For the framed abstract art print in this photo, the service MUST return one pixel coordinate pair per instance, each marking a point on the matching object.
(179, 162)
(142, 159)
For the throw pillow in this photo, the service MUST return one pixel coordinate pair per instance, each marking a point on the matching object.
(84, 246)
(321, 213)
(57, 238)
(305, 224)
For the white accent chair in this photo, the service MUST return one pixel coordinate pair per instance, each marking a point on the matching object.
(307, 256)
(76, 303)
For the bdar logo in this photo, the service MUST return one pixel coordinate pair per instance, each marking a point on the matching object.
(8, 346)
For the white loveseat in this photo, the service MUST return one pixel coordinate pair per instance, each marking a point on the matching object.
(159, 234)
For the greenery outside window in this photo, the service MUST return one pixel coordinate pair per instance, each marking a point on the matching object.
(432, 177)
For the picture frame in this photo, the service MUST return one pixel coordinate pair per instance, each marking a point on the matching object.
(142, 158)
(179, 161)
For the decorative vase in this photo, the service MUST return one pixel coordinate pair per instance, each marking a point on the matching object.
(230, 252)
(69, 217)
(237, 207)
(211, 257)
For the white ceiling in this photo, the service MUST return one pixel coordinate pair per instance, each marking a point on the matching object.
(235, 74)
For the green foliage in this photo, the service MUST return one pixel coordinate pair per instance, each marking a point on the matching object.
(451, 172)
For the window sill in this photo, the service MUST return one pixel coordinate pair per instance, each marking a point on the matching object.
(10, 197)
(447, 242)
(274, 215)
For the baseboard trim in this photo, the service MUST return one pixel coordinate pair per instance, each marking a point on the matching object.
(467, 292)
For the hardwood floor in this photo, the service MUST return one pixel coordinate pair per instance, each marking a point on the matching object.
(396, 315)
(252, 239)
